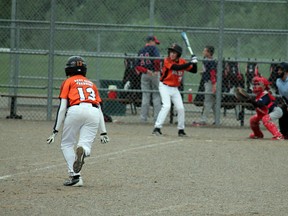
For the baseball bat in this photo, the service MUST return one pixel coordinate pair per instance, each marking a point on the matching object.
(186, 40)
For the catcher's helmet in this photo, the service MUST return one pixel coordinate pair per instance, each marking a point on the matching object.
(260, 84)
(175, 47)
(75, 66)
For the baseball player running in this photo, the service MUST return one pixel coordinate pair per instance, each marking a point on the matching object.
(172, 74)
(80, 110)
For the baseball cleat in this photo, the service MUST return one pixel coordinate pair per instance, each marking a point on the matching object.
(197, 124)
(253, 136)
(278, 138)
(181, 133)
(157, 132)
(75, 181)
(79, 161)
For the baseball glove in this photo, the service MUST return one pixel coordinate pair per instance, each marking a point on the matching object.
(241, 94)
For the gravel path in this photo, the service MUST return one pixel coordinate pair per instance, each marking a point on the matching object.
(214, 171)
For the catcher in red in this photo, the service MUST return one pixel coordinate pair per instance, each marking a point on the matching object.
(267, 110)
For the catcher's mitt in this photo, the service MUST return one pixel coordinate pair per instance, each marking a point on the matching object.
(241, 94)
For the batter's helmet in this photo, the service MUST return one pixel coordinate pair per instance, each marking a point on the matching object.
(75, 65)
(175, 47)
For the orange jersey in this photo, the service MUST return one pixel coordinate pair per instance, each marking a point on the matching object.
(172, 77)
(78, 89)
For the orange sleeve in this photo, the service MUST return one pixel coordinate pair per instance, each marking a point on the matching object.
(64, 89)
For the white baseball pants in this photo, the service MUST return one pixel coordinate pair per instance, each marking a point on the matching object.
(81, 121)
(169, 94)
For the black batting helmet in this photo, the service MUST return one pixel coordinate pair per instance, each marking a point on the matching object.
(75, 66)
(175, 47)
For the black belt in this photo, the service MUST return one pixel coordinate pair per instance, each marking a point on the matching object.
(168, 85)
(93, 105)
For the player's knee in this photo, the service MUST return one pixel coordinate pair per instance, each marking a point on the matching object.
(180, 109)
(166, 106)
(266, 119)
(254, 121)
(145, 99)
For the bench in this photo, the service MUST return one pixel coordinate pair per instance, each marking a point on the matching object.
(13, 114)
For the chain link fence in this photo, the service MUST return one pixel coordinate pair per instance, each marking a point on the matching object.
(37, 37)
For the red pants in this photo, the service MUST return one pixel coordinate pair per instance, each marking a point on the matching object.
(270, 126)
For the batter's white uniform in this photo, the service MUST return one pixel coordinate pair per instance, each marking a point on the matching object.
(170, 80)
(168, 94)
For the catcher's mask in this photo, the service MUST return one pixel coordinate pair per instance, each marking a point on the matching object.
(175, 47)
(75, 66)
(260, 84)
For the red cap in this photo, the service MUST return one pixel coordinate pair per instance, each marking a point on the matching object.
(153, 38)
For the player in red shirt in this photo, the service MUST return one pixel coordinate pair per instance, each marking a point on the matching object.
(81, 112)
(171, 77)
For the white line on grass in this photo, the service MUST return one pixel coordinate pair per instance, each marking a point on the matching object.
(96, 157)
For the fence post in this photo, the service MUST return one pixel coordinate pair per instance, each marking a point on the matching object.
(51, 61)
(219, 65)
(151, 16)
(14, 62)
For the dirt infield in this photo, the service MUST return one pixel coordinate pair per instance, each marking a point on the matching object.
(214, 171)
